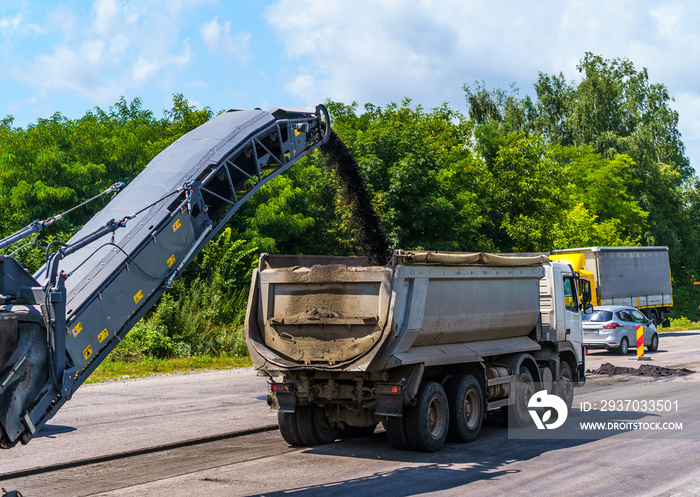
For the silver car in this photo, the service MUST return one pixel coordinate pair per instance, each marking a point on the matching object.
(614, 327)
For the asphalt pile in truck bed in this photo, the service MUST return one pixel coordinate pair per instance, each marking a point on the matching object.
(370, 238)
(643, 370)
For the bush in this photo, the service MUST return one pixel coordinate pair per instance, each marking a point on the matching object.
(205, 309)
(203, 313)
(149, 340)
(683, 323)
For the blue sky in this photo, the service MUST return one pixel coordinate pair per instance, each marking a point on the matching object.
(70, 56)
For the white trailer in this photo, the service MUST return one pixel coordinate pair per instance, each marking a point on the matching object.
(637, 277)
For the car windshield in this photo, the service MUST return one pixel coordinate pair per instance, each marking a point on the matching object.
(598, 316)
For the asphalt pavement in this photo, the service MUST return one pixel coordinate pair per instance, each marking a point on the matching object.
(125, 415)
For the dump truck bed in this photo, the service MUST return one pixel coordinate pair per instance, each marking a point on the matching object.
(339, 314)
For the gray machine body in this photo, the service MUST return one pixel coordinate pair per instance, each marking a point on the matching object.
(113, 270)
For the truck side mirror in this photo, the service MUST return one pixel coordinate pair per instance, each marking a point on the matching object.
(588, 308)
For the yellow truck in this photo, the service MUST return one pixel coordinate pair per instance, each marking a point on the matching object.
(637, 277)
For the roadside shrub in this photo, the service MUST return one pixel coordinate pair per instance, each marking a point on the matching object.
(683, 322)
(149, 340)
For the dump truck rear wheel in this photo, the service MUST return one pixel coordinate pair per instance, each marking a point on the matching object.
(287, 422)
(427, 422)
(314, 427)
(465, 398)
(396, 432)
(524, 388)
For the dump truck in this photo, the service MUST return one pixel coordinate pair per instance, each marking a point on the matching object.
(426, 345)
(638, 277)
(58, 324)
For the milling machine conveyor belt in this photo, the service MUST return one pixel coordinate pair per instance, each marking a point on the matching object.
(116, 267)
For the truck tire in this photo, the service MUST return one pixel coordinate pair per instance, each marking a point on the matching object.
(465, 398)
(314, 427)
(287, 422)
(565, 385)
(395, 427)
(518, 413)
(427, 422)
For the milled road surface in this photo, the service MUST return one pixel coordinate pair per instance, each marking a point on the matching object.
(118, 417)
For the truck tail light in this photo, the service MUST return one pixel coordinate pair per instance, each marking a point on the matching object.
(388, 389)
(611, 326)
(282, 387)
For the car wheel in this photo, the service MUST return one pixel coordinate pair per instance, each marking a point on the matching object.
(654, 345)
(624, 347)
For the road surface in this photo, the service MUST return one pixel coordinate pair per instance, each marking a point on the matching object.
(212, 434)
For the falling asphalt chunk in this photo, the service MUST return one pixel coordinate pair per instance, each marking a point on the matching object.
(643, 370)
(370, 238)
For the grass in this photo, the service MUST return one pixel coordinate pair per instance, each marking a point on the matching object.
(680, 324)
(691, 326)
(111, 370)
(117, 370)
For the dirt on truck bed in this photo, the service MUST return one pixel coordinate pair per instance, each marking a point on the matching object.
(643, 370)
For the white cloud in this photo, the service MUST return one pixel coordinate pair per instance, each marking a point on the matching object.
(64, 21)
(218, 40)
(92, 51)
(109, 18)
(118, 45)
(64, 69)
(301, 86)
(384, 51)
(144, 69)
(211, 33)
(199, 83)
(124, 45)
(378, 52)
(15, 25)
(668, 21)
(10, 24)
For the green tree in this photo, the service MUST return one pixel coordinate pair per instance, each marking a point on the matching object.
(420, 171)
(600, 206)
